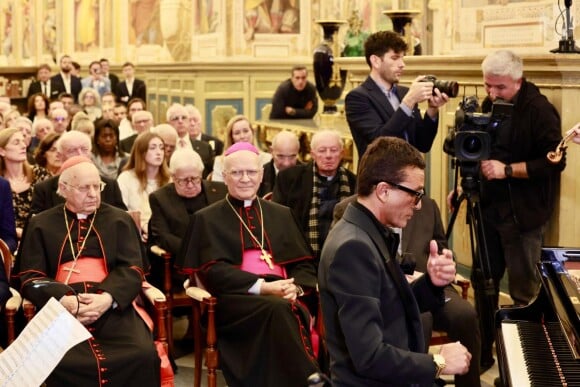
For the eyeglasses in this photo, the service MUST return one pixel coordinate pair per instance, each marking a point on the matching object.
(187, 180)
(59, 119)
(417, 194)
(175, 118)
(87, 187)
(251, 173)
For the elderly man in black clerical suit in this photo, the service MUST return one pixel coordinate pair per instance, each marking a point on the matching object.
(93, 248)
(371, 314)
(73, 143)
(251, 254)
(173, 204)
(312, 190)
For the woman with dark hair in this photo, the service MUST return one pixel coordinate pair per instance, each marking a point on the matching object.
(145, 172)
(37, 106)
(107, 155)
(46, 155)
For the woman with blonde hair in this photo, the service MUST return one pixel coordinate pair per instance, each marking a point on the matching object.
(238, 129)
(82, 122)
(145, 172)
(15, 168)
(90, 101)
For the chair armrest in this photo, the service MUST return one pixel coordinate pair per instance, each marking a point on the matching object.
(152, 293)
(197, 294)
(15, 301)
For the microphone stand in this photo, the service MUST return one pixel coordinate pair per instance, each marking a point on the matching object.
(567, 44)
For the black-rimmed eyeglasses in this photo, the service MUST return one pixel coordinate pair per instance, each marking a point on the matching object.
(417, 194)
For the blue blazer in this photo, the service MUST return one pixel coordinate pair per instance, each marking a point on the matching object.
(7, 219)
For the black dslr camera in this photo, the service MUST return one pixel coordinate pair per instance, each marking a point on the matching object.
(451, 88)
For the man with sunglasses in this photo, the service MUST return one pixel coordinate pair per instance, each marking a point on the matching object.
(371, 314)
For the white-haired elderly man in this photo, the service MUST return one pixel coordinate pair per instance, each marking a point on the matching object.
(142, 121)
(70, 144)
(173, 204)
(196, 130)
(103, 264)
(178, 117)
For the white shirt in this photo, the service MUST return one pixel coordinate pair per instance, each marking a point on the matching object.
(134, 198)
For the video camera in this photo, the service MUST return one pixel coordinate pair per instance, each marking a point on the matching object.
(474, 132)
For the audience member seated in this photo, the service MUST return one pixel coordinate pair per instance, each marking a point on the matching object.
(67, 101)
(131, 87)
(178, 117)
(196, 130)
(285, 148)
(238, 129)
(37, 106)
(173, 204)
(90, 102)
(96, 80)
(102, 261)
(40, 128)
(83, 123)
(125, 127)
(107, 154)
(25, 126)
(313, 189)
(10, 118)
(7, 220)
(251, 255)
(141, 121)
(46, 156)
(145, 172)
(71, 144)
(60, 120)
(108, 100)
(295, 97)
(20, 175)
(457, 316)
(169, 136)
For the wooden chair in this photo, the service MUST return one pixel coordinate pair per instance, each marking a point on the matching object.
(13, 304)
(441, 337)
(200, 301)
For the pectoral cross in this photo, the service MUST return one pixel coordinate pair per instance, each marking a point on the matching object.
(70, 271)
(265, 256)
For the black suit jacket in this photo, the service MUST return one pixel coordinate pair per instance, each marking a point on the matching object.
(35, 87)
(294, 189)
(371, 314)
(169, 218)
(206, 153)
(126, 144)
(268, 180)
(139, 91)
(218, 147)
(44, 195)
(57, 87)
(114, 81)
(370, 115)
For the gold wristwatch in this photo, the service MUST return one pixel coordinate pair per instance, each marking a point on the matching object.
(439, 364)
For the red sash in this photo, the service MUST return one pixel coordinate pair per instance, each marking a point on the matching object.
(252, 263)
(86, 269)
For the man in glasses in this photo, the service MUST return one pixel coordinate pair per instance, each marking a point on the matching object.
(371, 313)
(60, 121)
(70, 144)
(102, 261)
(251, 254)
(313, 189)
(174, 203)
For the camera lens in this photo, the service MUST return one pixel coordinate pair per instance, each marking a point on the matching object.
(472, 145)
(451, 88)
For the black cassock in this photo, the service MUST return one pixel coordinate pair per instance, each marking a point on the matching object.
(121, 352)
(262, 340)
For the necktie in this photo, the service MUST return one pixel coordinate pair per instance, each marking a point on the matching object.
(44, 91)
(182, 143)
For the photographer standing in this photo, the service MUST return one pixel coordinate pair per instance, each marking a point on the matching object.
(380, 107)
(518, 188)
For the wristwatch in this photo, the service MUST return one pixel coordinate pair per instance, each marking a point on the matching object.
(439, 364)
(508, 170)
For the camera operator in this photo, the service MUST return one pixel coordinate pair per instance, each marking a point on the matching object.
(380, 107)
(518, 188)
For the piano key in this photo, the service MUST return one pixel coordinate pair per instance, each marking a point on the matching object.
(515, 355)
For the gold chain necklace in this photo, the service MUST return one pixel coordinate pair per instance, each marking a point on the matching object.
(72, 250)
(265, 256)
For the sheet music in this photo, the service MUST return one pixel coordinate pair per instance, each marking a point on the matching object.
(40, 347)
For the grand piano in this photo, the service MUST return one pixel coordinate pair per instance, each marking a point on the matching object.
(539, 344)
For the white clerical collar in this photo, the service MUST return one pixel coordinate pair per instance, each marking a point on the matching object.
(248, 203)
(82, 216)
